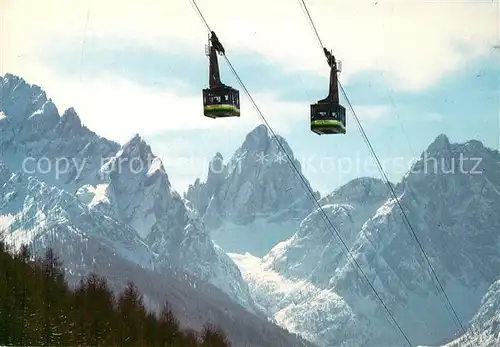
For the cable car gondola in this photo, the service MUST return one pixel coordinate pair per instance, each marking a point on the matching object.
(327, 115)
(219, 100)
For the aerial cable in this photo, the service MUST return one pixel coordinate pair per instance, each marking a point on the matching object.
(405, 217)
(313, 27)
(389, 185)
(400, 122)
(304, 182)
(197, 9)
(403, 213)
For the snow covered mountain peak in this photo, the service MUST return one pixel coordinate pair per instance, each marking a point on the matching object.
(48, 109)
(216, 166)
(359, 191)
(138, 190)
(138, 193)
(450, 165)
(38, 214)
(11, 78)
(136, 149)
(256, 192)
(18, 99)
(136, 141)
(290, 259)
(260, 157)
(267, 149)
(258, 139)
(70, 125)
(441, 142)
(348, 208)
(136, 157)
(71, 117)
(451, 196)
(202, 193)
(36, 140)
(111, 209)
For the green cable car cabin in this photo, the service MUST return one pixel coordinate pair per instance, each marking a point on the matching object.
(219, 100)
(327, 115)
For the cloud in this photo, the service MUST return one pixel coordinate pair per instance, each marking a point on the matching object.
(415, 42)
(370, 113)
(117, 108)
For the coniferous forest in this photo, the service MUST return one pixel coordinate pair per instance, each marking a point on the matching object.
(38, 308)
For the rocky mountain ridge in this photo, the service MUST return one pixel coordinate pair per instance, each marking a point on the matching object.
(451, 198)
(107, 217)
(254, 196)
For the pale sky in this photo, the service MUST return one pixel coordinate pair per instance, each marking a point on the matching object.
(130, 68)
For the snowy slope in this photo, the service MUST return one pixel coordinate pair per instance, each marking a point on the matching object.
(128, 222)
(315, 313)
(124, 224)
(290, 281)
(87, 241)
(314, 248)
(454, 214)
(139, 193)
(255, 200)
(36, 140)
(33, 212)
(128, 183)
